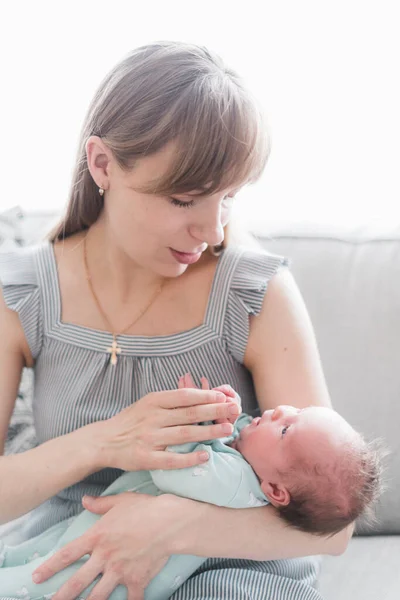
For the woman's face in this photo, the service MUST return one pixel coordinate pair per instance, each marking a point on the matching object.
(160, 233)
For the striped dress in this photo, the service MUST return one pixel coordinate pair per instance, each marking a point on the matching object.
(75, 384)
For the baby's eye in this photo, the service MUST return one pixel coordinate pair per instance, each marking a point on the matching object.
(284, 430)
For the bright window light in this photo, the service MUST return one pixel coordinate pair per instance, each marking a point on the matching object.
(326, 73)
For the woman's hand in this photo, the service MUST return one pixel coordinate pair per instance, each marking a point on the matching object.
(186, 381)
(127, 546)
(136, 438)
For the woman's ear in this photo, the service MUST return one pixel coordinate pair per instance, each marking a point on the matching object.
(276, 493)
(98, 160)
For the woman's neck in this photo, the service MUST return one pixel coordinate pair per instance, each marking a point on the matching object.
(113, 268)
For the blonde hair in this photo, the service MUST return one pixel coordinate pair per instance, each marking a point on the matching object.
(162, 92)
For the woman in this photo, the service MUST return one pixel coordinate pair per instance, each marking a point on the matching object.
(138, 286)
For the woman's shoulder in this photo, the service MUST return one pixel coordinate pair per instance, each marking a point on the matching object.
(20, 288)
(245, 273)
(254, 267)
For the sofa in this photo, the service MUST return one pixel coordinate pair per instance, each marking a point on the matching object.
(350, 281)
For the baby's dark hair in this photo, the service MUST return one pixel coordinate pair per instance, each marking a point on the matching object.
(330, 494)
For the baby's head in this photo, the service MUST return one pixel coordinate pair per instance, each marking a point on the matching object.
(313, 466)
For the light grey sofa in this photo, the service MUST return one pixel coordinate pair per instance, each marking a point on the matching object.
(350, 281)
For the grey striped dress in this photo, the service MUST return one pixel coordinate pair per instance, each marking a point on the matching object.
(76, 385)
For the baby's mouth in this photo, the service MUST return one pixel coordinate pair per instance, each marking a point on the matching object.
(256, 420)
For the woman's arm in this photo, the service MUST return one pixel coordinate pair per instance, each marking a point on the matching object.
(251, 533)
(282, 352)
(30, 478)
(137, 534)
(34, 476)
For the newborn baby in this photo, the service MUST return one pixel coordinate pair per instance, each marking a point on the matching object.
(309, 463)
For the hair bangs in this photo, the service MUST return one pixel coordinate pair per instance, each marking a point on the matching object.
(221, 142)
(177, 95)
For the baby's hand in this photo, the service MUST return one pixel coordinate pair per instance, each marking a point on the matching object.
(233, 398)
(186, 381)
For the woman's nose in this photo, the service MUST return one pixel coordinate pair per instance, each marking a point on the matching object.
(209, 228)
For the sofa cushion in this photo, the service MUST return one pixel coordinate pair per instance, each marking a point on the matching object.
(368, 570)
(350, 282)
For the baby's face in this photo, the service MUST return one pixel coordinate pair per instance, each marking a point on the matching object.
(271, 442)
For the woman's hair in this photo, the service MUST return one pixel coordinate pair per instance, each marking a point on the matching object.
(163, 92)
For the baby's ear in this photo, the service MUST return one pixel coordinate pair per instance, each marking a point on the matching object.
(276, 493)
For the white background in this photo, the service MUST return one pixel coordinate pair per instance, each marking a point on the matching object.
(327, 73)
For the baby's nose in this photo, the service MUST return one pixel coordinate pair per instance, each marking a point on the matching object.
(279, 412)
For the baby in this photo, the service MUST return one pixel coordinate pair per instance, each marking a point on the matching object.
(309, 463)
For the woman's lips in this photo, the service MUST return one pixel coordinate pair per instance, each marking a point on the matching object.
(186, 258)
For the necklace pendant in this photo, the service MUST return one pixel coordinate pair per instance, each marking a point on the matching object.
(114, 351)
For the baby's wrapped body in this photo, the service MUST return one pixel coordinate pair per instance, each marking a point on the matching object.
(309, 463)
(226, 479)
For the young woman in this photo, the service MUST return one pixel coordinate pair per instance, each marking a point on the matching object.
(139, 284)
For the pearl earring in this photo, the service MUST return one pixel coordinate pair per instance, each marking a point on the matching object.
(101, 191)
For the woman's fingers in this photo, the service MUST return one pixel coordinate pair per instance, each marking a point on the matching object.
(185, 397)
(165, 460)
(170, 436)
(79, 581)
(199, 414)
(69, 554)
(135, 595)
(104, 588)
(100, 504)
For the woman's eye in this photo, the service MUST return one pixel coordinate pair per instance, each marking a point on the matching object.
(181, 204)
(226, 201)
(284, 430)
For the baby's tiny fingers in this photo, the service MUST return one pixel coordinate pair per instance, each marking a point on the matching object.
(189, 381)
(228, 391)
(204, 383)
(234, 411)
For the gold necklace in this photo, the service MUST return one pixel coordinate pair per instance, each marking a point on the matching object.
(114, 350)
